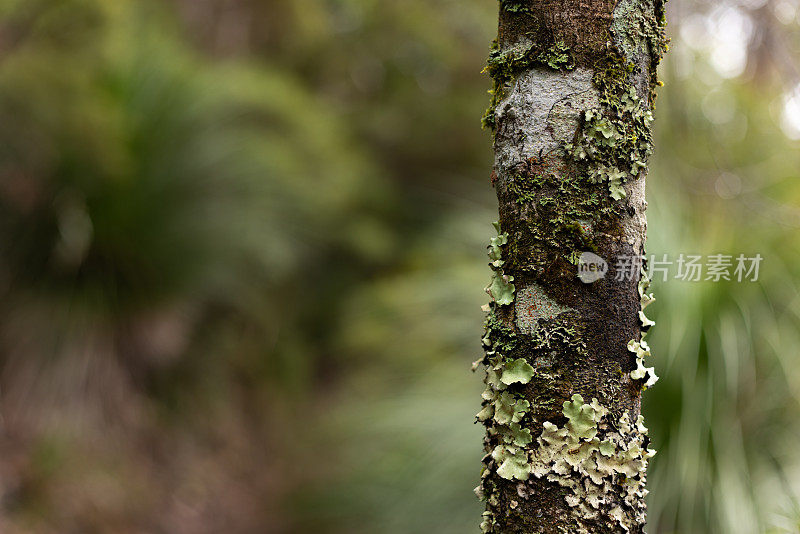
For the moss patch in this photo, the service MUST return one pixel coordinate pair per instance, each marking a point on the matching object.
(503, 66)
(569, 211)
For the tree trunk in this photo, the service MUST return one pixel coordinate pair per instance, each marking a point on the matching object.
(571, 112)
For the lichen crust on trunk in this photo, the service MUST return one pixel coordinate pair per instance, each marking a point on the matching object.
(571, 112)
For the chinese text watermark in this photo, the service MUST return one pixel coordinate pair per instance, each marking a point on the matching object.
(684, 267)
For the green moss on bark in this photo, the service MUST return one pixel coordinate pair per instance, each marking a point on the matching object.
(555, 463)
(569, 210)
(503, 66)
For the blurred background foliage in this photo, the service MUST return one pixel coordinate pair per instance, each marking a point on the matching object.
(242, 252)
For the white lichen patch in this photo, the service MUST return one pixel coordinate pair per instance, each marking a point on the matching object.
(532, 304)
(500, 407)
(500, 287)
(562, 120)
(634, 228)
(635, 37)
(611, 136)
(487, 523)
(543, 112)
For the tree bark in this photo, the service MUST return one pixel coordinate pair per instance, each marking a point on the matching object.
(564, 351)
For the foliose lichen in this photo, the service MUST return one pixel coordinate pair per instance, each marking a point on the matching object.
(614, 143)
(502, 370)
(616, 140)
(640, 348)
(500, 287)
(645, 299)
(593, 452)
(647, 374)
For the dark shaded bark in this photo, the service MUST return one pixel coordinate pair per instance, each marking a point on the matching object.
(574, 89)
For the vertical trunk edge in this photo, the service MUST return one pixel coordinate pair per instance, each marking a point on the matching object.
(571, 112)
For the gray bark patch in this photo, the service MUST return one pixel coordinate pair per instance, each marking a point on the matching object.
(532, 304)
(541, 112)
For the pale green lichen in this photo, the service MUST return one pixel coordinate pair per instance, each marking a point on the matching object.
(517, 371)
(503, 408)
(591, 454)
(557, 57)
(500, 405)
(498, 338)
(600, 457)
(512, 462)
(641, 349)
(485, 413)
(583, 418)
(505, 65)
(630, 26)
(501, 287)
(606, 447)
(495, 253)
(517, 434)
(615, 142)
(639, 30)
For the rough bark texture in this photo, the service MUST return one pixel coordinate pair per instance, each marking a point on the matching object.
(571, 111)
